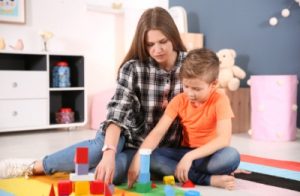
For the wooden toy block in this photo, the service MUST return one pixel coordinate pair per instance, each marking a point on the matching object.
(81, 169)
(82, 188)
(111, 188)
(97, 187)
(89, 177)
(52, 192)
(64, 187)
(188, 184)
(82, 155)
(107, 191)
(143, 187)
(169, 180)
(144, 177)
(153, 185)
(169, 191)
(192, 193)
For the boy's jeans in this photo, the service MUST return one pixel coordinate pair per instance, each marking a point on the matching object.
(223, 161)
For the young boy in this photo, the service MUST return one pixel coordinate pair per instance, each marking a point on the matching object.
(205, 114)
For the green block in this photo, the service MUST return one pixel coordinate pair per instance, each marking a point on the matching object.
(143, 187)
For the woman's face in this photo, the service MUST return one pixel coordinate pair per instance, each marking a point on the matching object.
(160, 48)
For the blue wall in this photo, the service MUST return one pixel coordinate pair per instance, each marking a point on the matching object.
(243, 26)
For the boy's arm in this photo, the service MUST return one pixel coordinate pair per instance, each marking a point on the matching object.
(150, 142)
(222, 140)
(156, 134)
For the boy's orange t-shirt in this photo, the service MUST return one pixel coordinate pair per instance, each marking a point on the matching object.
(199, 123)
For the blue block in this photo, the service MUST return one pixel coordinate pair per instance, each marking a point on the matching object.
(169, 191)
(192, 193)
(145, 163)
(82, 169)
(144, 178)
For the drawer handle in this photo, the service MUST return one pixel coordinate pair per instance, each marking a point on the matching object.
(15, 85)
(15, 113)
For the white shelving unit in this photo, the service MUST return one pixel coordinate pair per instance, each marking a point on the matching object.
(27, 99)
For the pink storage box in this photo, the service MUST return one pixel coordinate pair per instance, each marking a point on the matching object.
(273, 107)
(98, 110)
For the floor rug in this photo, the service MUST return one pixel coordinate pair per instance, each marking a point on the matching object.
(41, 185)
(279, 173)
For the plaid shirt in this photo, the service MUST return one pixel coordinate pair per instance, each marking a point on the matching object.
(142, 93)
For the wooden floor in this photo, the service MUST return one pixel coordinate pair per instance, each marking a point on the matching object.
(36, 144)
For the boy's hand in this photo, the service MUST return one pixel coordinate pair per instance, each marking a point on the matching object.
(183, 168)
(133, 171)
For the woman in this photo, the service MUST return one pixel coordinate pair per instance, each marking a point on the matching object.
(147, 80)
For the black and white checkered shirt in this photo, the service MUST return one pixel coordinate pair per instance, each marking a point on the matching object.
(142, 92)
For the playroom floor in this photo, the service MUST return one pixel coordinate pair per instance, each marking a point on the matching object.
(35, 144)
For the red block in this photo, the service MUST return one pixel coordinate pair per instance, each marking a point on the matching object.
(97, 187)
(107, 190)
(64, 187)
(188, 184)
(82, 155)
(52, 192)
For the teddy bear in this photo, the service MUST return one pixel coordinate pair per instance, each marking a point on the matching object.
(229, 73)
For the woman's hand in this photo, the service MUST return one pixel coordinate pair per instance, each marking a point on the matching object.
(133, 171)
(183, 168)
(105, 170)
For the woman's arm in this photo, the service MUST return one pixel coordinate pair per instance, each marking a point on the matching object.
(222, 140)
(150, 142)
(106, 168)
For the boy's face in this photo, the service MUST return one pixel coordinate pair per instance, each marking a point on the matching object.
(197, 90)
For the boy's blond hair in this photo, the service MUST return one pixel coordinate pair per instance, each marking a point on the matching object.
(200, 63)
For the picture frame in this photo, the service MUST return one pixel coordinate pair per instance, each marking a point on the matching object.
(12, 11)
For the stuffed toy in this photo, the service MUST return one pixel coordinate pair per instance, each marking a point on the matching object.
(229, 73)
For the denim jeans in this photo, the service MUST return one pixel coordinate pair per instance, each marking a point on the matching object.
(63, 160)
(222, 162)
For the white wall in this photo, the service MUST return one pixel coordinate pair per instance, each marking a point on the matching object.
(102, 37)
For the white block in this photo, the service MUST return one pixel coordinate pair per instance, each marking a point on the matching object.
(88, 177)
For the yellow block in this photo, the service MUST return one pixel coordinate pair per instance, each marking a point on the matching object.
(170, 180)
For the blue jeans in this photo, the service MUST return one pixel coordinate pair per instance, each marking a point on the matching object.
(63, 160)
(222, 162)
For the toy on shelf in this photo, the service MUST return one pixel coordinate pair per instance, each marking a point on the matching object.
(2, 43)
(229, 73)
(19, 45)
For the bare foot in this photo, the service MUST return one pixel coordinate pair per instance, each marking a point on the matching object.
(223, 181)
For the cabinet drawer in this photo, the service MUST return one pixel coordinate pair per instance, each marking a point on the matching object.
(23, 84)
(23, 113)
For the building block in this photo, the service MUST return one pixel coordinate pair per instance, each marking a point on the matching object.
(169, 180)
(52, 192)
(97, 187)
(153, 185)
(89, 177)
(273, 107)
(169, 191)
(82, 187)
(143, 187)
(145, 160)
(188, 184)
(144, 177)
(82, 155)
(192, 193)
(64, 187)
(81, 169)
(107, 191)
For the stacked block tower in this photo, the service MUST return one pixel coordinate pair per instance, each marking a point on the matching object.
(143, 184)
(83, 181)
